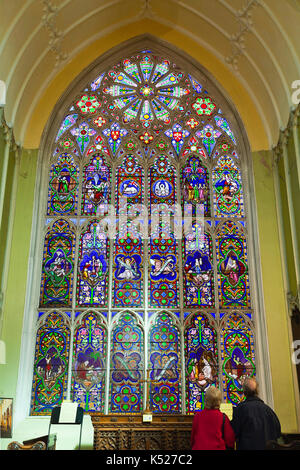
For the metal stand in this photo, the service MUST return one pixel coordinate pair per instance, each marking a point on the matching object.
(78, 421)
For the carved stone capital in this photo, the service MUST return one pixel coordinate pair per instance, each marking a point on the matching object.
(277, 155)
(296, 117)
(293, 302)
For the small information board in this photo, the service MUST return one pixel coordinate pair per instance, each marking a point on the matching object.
(227, 409)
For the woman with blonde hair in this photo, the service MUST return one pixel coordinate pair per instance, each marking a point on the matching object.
(212, 429)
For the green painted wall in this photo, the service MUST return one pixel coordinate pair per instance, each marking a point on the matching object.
(273, 291)
(14, 301)
(6, 210)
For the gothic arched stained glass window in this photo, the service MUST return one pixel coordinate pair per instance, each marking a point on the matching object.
(145, 148)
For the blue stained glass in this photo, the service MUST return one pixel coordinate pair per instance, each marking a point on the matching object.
(165, 393)
(126, 366)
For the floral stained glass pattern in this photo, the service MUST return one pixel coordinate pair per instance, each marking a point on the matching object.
(232, 262)
(147, 92)
(128, 272)
(228, 196)
(126, 367)
(165, 375)
(96, 187)
(198, 269)
(164, 268)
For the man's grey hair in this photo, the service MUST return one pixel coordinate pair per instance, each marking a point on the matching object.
(250, 387)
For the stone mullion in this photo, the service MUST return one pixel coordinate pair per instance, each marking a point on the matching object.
(180, 241)
(8, 137)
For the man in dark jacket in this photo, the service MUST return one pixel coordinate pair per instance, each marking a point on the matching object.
(254, 422)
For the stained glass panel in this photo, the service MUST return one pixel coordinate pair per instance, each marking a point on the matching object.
(130, 185)
(63, 185)
(50, 363)
(127, 365)
(58, 266)
(92, 278)
(237, 355)
(165, 359)
(228, 193)
(195, 185)
(96, 187)
(89, 363)
(128, 268)
(201, 351)
(163, 285)
(232, 260)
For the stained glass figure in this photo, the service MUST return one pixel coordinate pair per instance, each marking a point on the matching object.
(89, 363)
(63, 186)
(58, 266)
(195, 185)
(227, 185)
(128, 268)
(201, 353)
(96, 187)
(232, 265)
(237, 355)
(127, 365)
(165, 375)
(162, 188)
(198, 269)
(50, 363)
(130, 185)
(92, 282)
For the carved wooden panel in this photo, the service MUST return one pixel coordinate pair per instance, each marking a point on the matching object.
(125, 432)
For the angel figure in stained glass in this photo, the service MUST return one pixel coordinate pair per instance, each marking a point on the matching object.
(127, 267)
(163, 268)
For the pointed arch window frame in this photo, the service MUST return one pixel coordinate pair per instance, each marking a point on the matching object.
(48, 140)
